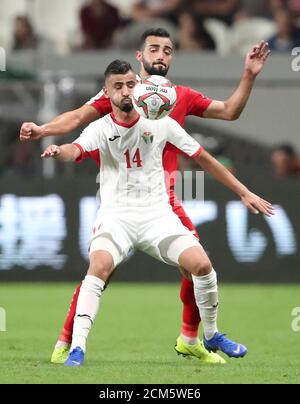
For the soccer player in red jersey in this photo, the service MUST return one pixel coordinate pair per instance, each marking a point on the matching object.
(155, 56)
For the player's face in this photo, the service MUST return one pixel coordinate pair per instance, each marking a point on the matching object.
(118, 88)
(156, 56)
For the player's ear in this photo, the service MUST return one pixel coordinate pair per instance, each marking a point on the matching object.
(105, 92)
(138, 55)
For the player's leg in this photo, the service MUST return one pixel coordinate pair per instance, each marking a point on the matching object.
(61, 349)
(162, 229)
(188, 343)
(195, 260)
(190, 312)
(104, 255)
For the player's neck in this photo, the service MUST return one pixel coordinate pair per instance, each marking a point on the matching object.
(143, 74)
(124, 117)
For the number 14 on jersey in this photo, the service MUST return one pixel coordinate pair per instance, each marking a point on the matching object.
(136, 159)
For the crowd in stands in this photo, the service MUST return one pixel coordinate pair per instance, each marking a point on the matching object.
(103, 26)
(285, 162)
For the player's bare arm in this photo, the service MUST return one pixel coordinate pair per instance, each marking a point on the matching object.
(232, 108)
(253, 202)
(61, 125)
(66, 152)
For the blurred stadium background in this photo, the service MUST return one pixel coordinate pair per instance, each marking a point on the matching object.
(54, 62)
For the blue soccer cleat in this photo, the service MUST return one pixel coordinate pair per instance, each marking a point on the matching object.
(219, 342)
(76, 357)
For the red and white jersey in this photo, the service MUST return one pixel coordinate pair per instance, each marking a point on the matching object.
(189, 102)
(131, 169)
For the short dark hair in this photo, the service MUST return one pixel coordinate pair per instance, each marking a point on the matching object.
(160, 32)
(286, 148)
(117, 67)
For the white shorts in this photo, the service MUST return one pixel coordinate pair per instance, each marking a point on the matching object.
(156, 231)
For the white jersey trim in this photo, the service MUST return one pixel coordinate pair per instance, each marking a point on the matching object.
(96, 98)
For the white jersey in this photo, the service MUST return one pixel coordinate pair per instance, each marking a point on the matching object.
(131, 168)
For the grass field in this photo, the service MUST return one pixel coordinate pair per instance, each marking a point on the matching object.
(133, 338)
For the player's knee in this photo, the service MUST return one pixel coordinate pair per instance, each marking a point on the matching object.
(100, 269)
(201, 267)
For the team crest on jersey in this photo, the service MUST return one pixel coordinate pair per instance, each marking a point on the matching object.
(148, 137)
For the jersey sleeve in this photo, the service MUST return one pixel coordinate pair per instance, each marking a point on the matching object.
(89, 143)
(179, 140)
(100, 103)
(197, 102)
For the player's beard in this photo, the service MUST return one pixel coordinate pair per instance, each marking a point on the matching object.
(155, 69)
(124, 106)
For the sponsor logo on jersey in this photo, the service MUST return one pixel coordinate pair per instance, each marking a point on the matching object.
(111, 139)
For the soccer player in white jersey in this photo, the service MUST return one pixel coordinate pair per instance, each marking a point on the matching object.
(132, 181)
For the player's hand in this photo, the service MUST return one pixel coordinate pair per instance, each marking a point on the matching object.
(30, 131)
(51, 151)
(257, 57)
(256, 204)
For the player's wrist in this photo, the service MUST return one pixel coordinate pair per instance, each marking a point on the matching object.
(43, 131)
(249, 75)
(243, 191)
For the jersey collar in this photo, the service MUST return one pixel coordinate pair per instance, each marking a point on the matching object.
(125, 125)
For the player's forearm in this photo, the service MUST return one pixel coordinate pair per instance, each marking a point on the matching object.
(62, 124)
(220, 173)
(235, 105)
(69, 121)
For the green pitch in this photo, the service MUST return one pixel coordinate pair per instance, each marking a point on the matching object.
(133, 337)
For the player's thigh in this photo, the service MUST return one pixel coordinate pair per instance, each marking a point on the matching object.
(178, 209)
(186, 252)
(162, 230)
(104, 256)
(112, 234)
